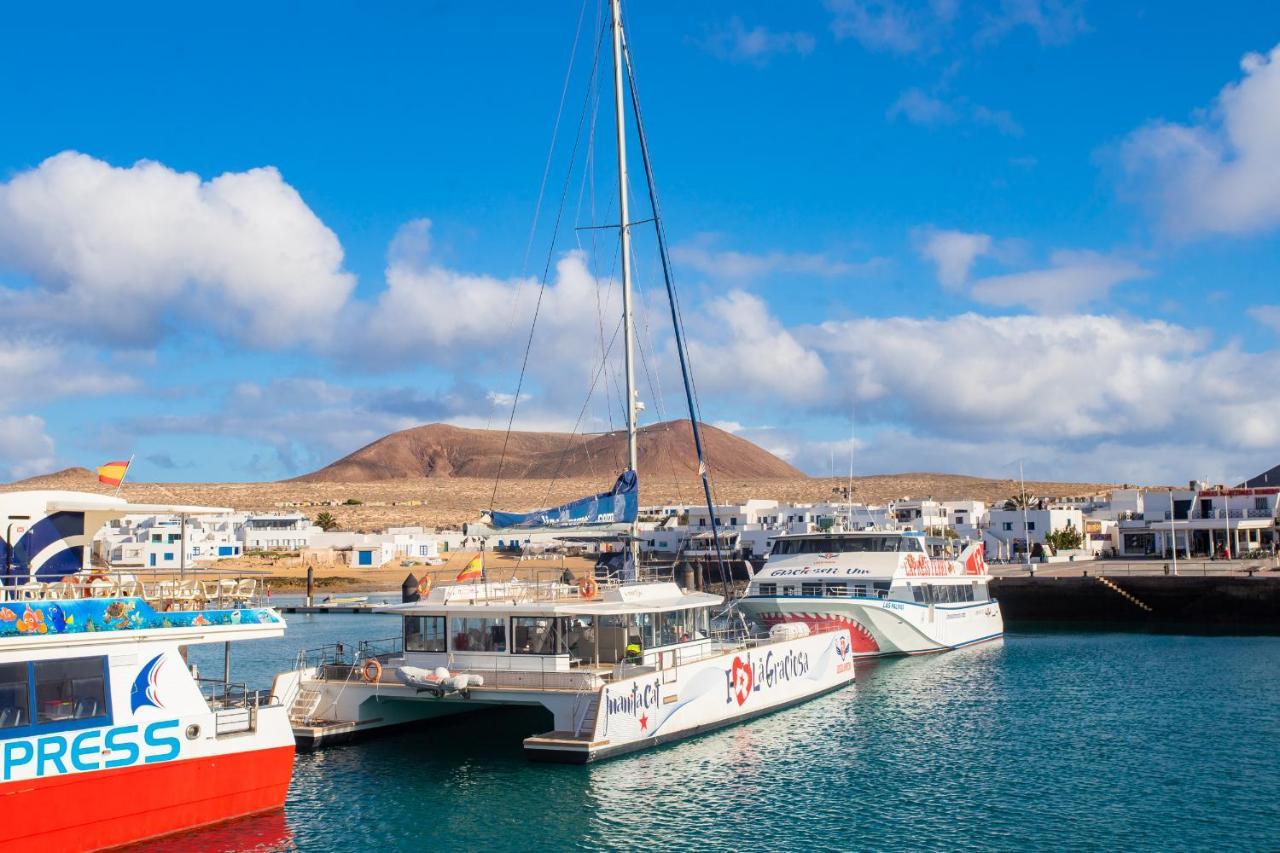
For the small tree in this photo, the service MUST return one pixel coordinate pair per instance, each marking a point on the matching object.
(1065, 539)
(326, 522)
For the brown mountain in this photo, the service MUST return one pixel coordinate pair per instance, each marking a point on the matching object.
(74, 479)
(440, 450)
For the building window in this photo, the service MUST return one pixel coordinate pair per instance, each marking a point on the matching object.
(70, 689)
(424, 634)
(1260, 503)
(1031, 525)
(1008, 525)
(168, 556)
(477, 634)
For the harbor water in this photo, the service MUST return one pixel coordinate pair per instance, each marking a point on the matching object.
(1046, 740)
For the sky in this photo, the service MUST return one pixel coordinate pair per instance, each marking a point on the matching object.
(239, 242)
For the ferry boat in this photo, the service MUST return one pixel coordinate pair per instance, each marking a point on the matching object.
(106, 735)
(899, 592)
(620, 665)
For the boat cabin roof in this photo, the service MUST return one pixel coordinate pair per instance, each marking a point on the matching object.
(520, 598)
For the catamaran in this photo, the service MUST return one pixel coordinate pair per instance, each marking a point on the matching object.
(898, 592)
(107, 736)
(621, 661)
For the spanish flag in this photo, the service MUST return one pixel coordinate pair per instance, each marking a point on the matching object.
(473, 571)
(112, 473)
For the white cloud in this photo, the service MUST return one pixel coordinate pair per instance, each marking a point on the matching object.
(126, 254)
(1267, 315)
(1072, 279)
(735, 42)
(919, 107)
(1054, 22)
(889, 26)
(952, 252)
(25, 449)
(739, 348)
(1220, 174)
(702, 254)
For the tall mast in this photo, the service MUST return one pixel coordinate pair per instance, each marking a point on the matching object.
(624, 229)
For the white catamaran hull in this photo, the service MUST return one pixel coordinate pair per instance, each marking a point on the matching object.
(883, 626)
(656, 705)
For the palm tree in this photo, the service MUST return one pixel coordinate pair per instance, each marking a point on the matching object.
(1020, 502)
(326, 522)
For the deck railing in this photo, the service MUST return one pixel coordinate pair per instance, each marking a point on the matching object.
(234, 705)
(162, 589)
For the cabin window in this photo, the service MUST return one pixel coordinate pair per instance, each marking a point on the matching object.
(478, 634)
(70, 689)
(788, 590)
(917, 593)
(859, 590)
(14, 696)
(424, 634)
(839, 590)
(980, 591)
(881, 588)
(811, 589)
(539, 635)
(767, 589)
(582, 637)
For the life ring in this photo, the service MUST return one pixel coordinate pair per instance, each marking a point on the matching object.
(587, 587)
(371, 672)
(424, 585)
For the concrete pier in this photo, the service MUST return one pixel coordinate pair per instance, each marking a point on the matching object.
(1221, 602)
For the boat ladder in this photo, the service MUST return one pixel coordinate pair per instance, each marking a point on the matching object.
(1133, 599)
(304, 705)
(586, 722)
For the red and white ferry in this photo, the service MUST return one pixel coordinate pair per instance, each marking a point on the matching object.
(899, 592)
(106, 736)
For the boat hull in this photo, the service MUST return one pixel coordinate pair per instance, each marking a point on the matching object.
(882, 627)
(108, 808)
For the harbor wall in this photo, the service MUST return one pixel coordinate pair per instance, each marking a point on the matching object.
(1225, 602)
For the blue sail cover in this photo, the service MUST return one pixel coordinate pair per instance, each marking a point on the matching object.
(620, 505)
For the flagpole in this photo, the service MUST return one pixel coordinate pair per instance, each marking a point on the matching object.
(125, 474)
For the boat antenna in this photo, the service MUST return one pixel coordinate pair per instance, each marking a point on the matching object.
(678, 327)
(624, 229)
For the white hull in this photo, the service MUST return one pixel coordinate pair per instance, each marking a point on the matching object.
(649, 705)
(884, 626)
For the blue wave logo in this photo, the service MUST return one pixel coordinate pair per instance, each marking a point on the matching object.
(145, 687)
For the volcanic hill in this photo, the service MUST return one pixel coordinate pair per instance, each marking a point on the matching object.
(439, 450)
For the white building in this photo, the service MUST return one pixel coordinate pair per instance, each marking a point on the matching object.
(157, 541)
(289, 531)
(1011, 531)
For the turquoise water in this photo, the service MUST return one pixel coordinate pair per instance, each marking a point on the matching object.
(1044, 741)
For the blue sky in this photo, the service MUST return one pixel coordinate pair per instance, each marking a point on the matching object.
(242, 242)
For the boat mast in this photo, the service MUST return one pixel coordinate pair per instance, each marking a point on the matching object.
(624, 228)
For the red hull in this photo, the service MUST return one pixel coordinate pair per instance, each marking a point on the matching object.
(107, 808)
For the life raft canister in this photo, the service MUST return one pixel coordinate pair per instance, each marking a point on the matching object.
(371, 672)
(587, 587)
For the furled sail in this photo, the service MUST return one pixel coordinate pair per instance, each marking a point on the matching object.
(618, 506)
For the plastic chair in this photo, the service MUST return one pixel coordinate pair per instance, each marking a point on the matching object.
(245, 590)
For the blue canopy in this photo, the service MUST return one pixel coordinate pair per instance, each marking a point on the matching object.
(619, 505)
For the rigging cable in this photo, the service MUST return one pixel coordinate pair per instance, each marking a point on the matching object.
(542, 287)
(681, 349)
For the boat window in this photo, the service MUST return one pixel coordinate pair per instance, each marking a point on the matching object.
(859, 590)
(845, 544)
(881, 588)
(917, 593)
(539, 635)
(582, 637)
(646, 628)
(767, 589)
(980, 591)
(70, 689)
(424, 634)
(702, 623)
(838, 590)
(14, 696)
(478, 634)
(811, 589)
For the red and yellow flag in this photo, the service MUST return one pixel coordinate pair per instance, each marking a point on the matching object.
(472, 571)
(112, 473)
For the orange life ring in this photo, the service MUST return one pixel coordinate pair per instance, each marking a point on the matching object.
(587, 587)
(371, 672)
(424, 585)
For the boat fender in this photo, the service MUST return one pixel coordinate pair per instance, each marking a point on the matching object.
(371, 672)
